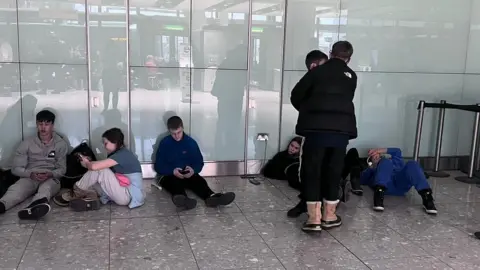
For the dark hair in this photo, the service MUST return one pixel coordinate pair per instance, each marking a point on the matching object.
(174, 122)
(115, 135)
(46, 116)
(342, 49)
(297, 140)
(314, 56)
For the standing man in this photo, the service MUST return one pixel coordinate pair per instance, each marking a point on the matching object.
(326, 120)
(40, 161)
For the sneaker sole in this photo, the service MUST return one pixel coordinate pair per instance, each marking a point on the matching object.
(331, 224)
(378, 208)
(34, 213)
(358, 192)
(182, 201)
(60, 203)
(312, 228)
(430, 212)
(82, 205)
(225, 199)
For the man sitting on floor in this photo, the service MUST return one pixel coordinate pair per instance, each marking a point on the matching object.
(40, 162)
(178, 164)
(388, 174)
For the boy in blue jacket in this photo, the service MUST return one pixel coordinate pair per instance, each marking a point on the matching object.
(178, 164)
(388, 174)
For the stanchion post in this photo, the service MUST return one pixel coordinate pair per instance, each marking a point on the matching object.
(418, 134)
(470, 179)
(438, 145)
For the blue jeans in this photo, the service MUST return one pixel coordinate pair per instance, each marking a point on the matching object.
(399, 182)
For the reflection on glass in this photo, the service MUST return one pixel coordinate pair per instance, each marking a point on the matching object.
(58, 88)
(108, 70)
(219, 27)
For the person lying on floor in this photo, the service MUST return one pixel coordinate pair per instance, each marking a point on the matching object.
(390, 175)
(40, 161)
(117, 178)
(178, 164)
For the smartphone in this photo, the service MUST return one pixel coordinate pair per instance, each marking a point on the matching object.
(184, 171)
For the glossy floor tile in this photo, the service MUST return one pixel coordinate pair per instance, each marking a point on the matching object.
(252, 233)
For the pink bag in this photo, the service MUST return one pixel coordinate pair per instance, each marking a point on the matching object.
(122, 179)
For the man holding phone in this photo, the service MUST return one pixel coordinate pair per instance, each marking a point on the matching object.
(40, 161)
(178, 164)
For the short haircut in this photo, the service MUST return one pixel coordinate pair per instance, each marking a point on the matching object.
(314, 56)
(46, 116)
(342, 49)
(115, 135)
(174, 122)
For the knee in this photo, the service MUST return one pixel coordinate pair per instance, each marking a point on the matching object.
(412, 165)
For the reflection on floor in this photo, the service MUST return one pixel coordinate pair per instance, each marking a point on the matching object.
(253, 233)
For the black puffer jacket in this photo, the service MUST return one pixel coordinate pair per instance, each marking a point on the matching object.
(324, 99)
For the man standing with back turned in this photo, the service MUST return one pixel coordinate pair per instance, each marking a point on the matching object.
(326, 120)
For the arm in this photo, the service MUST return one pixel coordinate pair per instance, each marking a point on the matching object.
(396, 155)
(162, 166)
(61, 161)
(196, 157)
(20, 161)
(101, 164)
(299, 92)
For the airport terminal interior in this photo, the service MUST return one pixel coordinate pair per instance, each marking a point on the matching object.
(227, 67)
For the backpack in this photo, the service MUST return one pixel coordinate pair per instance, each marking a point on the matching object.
(75, 170)
(7, 179)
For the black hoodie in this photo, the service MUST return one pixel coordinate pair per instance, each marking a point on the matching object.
(277, 167)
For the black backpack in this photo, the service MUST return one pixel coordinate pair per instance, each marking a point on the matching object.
(75, 170)
(7, 179)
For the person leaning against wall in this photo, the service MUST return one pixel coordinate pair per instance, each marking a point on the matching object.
(324, 99)
(40, 161)
(117, 178)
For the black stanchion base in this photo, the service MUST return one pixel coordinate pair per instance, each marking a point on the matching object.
(248, 176)
(438, 174)
(467, 180)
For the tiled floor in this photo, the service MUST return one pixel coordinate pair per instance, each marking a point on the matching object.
(253, 233)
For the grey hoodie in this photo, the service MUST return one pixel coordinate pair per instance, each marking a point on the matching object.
(34, 156)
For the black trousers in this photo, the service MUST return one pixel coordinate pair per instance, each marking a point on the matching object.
(320, 171)
(177, 186)
(351, 166)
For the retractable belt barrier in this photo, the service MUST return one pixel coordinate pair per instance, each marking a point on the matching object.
(443, 105)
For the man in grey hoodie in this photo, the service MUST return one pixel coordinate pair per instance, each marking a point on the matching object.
(40, 162)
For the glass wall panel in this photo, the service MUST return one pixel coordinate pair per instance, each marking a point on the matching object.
(109, 96)
(266, 45)
(218, 27)
(10, 111)
(218, 113)
(8, 31)
(159, 37)
(310, 25)
(51, 32)
(152, 107)
(406, 36)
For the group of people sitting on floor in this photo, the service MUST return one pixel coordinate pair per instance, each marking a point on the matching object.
(40, 162)
(384, 171)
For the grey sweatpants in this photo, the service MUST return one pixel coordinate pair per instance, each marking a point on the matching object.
(26, 187)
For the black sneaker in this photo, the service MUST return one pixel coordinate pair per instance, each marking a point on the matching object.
(35, 210)
(182, 201)
(85, 204)
(428, 201)
(477, 235)
(332, 223)
(299, 209)
(310, 227)
(64, 198)
(378, 197)
(356, 187)
(220, 199)
(2, 208)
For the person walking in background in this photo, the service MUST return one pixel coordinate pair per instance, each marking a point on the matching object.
(324, 99)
